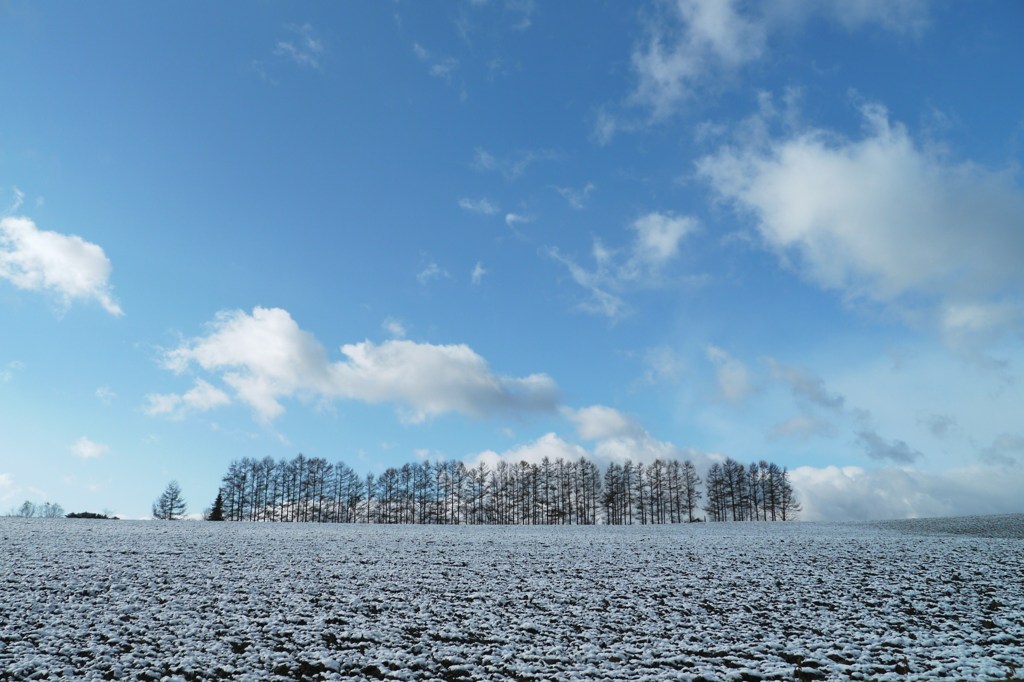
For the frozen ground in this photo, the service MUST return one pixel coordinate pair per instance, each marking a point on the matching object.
(84, 600)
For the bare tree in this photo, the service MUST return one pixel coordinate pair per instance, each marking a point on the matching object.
(51, 510)
(691, 493)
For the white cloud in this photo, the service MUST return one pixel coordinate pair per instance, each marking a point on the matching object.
(642, 447)
(105, 395)
(882, 219)
(265, 357)
(522, 10)
(731, 374)
(700, 39)
(513, 219)
(306, 49)
(599, 422)
(202, 397)
(576, 198)
(897, 16)
(438, 67)
(850, 493)
(431, 272)
(64, 265)
(696, 44)
(477, 276)
(511, 167)
(87, 449)
(663, 364)
(616, 439)
(549, 445)
(16, 201)
(655, 245)
(394, 328)
(483, 206)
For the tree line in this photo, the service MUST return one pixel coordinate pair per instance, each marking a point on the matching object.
(29, 509)
(552, 491)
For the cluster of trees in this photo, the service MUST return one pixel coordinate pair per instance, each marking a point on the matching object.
(311, 489)
(46, 510)
(51, 510)
(760, 491)
(91, 515)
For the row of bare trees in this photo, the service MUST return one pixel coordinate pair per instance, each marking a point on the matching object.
(559, 491)
(760, 491)
(29, 509)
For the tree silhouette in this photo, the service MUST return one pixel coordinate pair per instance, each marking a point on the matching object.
(170, 505)
(217, 512)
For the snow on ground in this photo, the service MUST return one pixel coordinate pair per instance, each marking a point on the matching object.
(92, 600)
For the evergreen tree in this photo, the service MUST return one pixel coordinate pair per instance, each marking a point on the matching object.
(217, 512)
(170, 505)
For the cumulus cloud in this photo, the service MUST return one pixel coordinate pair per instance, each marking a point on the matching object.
(618, 438)
(853, 494)
(882, 219)
(202, 397)
(87, 449)
(599, 422)
(633, 444)
(730, 373)
(66, 266)
(656, 241)
(265, 357)
(549, 446)
(482, 206)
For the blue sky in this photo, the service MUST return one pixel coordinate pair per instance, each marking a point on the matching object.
(375, 232)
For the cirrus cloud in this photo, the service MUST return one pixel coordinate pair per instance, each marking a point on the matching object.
(656, 242)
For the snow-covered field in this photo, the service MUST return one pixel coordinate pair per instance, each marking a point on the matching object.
(118, 600)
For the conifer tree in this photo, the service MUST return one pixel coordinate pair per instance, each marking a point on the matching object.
(170, 505)
(217, 512)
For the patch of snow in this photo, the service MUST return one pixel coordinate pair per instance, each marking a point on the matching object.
(195, 601)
